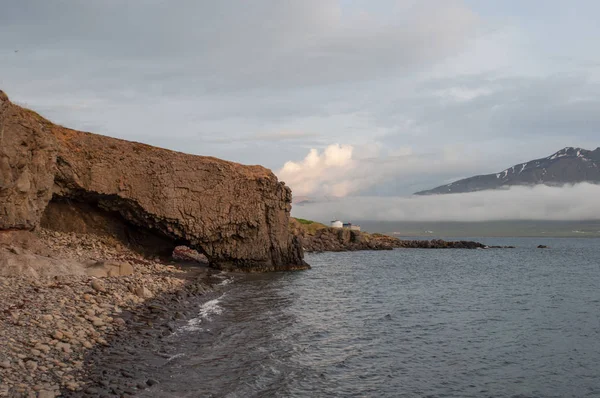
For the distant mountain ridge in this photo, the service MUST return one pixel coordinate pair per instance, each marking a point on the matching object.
(567, 166)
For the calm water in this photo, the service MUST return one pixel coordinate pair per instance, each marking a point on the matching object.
(523, 322)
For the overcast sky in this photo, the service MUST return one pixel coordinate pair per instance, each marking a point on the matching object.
(362, 97)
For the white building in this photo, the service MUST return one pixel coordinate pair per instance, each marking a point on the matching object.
(337, 224)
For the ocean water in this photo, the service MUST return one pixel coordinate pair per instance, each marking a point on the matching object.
(521, 322)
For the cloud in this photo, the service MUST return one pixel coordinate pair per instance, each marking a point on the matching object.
(321, 172)
(573, 202)
(248, 81)
(285, 135)
(341, 170)
(226, 46)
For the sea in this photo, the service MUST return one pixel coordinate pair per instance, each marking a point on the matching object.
(522, 322)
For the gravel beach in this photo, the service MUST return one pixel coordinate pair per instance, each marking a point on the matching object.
(53, 328)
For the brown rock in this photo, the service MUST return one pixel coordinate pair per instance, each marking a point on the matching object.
(236, 215)
(31, 365)
(47, 318)
(102, 269)
(98, 285)
(28, 151)
(33, 265)
(143, 292)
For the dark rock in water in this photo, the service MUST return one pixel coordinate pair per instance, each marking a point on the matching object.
(542, 247)
(151, 382)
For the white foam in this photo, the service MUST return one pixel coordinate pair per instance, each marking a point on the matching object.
(211, 307)
(225, 282)
(205, 312)
(175, 357)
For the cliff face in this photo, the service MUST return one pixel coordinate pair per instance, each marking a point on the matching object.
(27, 158)
(236, 215)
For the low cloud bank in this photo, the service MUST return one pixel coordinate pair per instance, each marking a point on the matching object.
(571, 202)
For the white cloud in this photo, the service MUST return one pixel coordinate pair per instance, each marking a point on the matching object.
(573, 202)
(341, 170)
(321, 172)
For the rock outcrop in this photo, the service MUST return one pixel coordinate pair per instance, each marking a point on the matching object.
(326, 239)
(27, 159)
(235, 215)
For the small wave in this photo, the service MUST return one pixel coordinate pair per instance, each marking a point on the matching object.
(225, 282)
(206, 310)
(211, 307)
(193, 325)
(175, 357)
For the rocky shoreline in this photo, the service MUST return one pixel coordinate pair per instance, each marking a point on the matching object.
(320, 238)
(51, 326)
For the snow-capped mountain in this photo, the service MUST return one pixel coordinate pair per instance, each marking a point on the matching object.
(567, 166)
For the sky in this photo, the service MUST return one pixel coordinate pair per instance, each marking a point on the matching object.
(345, 98)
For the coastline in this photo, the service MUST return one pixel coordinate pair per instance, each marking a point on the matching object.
(79, 335)
(316, 237)
(53, 327)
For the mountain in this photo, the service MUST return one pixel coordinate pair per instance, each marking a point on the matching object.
(567, 166)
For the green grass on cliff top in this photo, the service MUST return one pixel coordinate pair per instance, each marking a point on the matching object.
(305, 222)
(310, 226)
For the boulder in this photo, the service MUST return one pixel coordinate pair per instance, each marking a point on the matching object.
(103, 269)
(21, 262)
(143, 292)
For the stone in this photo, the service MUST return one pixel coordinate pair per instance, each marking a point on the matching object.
(58, 335)
(5, 364)
(98, 285)
(47, 318)
(43, 347)
(102, 269)
(143, 292)
(31, 365)
(46, 394)
(73, 386)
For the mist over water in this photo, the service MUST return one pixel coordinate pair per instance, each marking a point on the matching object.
(405, 323)
(540, 202)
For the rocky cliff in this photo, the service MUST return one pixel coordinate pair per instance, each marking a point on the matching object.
(235, 215)
(316, 237)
